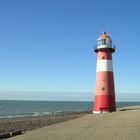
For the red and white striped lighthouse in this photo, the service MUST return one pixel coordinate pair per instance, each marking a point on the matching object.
(104, 100)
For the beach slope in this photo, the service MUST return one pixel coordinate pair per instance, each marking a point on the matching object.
(120, 125)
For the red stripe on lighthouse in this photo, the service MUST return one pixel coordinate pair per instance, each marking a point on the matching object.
(104, 55)
(104, 83)
(105, 103)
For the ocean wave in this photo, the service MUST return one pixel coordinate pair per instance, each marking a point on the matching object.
(34, 114)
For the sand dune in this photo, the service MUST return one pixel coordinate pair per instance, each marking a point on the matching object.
(121, 125)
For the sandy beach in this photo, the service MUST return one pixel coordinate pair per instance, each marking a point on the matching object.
(121, 125)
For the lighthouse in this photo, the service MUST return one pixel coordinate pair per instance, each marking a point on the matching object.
(104, 100)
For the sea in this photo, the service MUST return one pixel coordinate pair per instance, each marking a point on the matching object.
(12, 109)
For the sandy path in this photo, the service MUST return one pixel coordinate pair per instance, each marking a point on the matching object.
(123, 125)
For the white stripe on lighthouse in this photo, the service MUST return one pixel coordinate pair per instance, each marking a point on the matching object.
(104, 65)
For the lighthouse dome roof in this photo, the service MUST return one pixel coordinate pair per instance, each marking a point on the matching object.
(104, 36)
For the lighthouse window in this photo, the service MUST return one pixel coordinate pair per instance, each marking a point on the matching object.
(104, 42)
(103, 88)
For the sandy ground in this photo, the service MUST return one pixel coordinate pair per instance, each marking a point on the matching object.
(121, 125)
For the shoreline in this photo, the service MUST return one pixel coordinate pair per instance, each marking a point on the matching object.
(28, 123)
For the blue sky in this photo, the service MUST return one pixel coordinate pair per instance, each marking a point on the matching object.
(46, 48)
